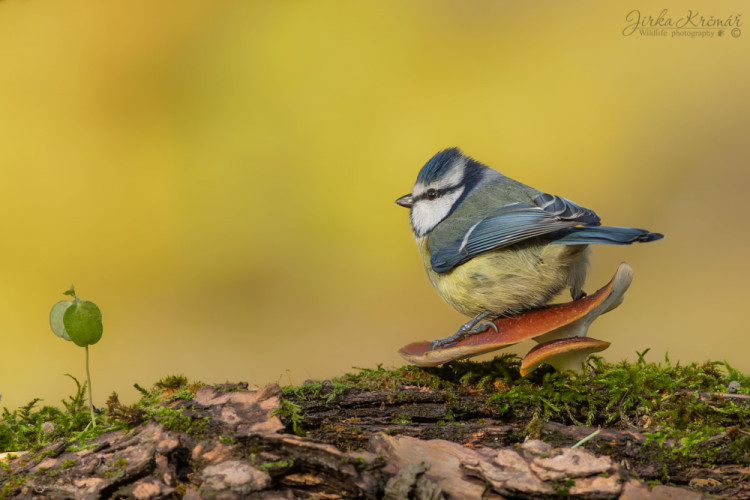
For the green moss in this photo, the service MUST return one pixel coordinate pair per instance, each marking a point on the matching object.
(404, 397)
(291, 414)
(225, 439)
(562, 489)
(174, 419)
(279, 464)
(161, 403)
(401, 418)
(22, 429)
(378, 379)
(678, 407)
(10, 485)
(172, 382)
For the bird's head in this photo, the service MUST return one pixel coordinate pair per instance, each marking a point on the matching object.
(439, 189)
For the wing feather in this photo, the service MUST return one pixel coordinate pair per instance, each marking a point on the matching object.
(509, 224)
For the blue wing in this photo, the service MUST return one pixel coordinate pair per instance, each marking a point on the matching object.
(507, 225)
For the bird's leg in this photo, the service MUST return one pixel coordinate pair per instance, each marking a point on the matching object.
(577, 293)
(471, 327)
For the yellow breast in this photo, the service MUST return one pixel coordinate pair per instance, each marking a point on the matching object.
(509, 280)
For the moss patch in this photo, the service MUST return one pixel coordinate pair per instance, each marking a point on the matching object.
(694, 412)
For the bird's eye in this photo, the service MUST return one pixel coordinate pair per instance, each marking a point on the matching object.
(431, 194)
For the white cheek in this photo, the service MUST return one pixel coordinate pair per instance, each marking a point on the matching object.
(426, 214)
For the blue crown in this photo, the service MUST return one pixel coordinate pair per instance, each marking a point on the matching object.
(438, 165)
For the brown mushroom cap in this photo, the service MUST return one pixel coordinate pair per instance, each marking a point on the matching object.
(555, 321)
(563, 354)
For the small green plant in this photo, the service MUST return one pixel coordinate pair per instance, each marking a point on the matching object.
(79, 321)
(291, 412)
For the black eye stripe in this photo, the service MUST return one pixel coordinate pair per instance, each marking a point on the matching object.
(436, 193)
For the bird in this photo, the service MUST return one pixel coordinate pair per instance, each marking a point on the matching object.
(494, 247)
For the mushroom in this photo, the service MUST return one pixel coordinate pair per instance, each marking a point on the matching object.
(615, 294)
(563, 354)
(554, 322)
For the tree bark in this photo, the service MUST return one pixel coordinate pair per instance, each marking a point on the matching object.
(403, 443)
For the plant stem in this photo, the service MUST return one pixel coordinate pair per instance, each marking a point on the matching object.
(579, 443)
(91, 396)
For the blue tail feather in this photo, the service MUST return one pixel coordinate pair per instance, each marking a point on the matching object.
(605, 235)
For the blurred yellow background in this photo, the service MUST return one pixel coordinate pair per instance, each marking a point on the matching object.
(220, 177)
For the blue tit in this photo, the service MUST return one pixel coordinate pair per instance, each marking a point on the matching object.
(495, 247)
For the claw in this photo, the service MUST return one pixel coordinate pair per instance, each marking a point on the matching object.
(482, 327)
(472, 327)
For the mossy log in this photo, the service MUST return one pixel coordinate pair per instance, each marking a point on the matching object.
(444, 433)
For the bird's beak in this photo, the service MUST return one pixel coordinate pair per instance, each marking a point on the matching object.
(406, 201)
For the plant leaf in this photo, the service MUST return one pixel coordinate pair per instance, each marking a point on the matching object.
(56, 318)
(83, 322)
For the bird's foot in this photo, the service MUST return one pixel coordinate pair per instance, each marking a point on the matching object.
(472, 327)
(577, 294)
